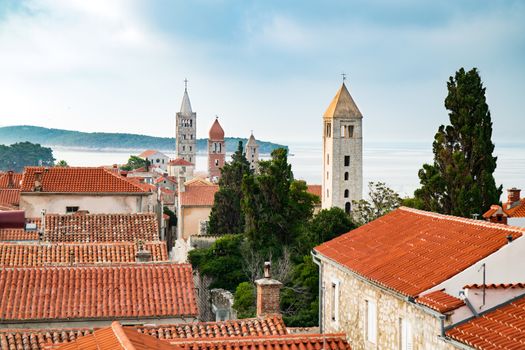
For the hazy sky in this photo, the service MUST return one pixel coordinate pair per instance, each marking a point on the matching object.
(270, 66)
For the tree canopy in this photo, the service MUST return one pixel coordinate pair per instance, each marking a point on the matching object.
(135, 162)
(383, 200)
(460, 181)
(22, 154)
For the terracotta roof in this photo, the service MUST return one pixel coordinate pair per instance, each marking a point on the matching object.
(31, 339)
(411, 251)
(342, 106)
(115, 337)
(9, 197)
(148, 153)
(440, 301)
(500, 328)
(17, 234)
(216, 132)
(101, 227)
(167, 178)
(4, 180)
(269, 325)
(97, 292)
(78, 180)
(289, 341)
(496, 286)
(12, 254)
(179, 162)
(315, 190)
(197, 194)
(518, 210)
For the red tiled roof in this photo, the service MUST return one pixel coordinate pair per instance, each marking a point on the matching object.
(101, 227)
(517, 211)
(115, 337)
(496, 286)
(500, 328)
(78, 180)
(289, 341)
(4, 180)
(197, 194)
(440, 301)
(12, 254)
(315, 190)
(162, 178)
(269, 325)
(180, 162)
(9, 197)
(97, 292)
(411, 251)
(31, 339)
(17, 234)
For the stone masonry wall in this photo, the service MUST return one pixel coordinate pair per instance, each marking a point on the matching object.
(353, 294)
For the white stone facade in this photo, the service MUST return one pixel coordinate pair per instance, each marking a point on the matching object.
(342, 153)
(252, 152)
(186, 131)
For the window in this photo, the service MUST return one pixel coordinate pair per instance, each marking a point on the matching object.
(371, 321)
(348, 207)
(347, 193)
(343, 130)
(347, 160)
(327, 193)
(190, 160)
(335, 301)
(191, 148)
(346, 176)
(191, 136)
(405, 335)
(328, 130)
(71, 209)
(220, 147)
(327, 175)
(350, 132)
(327, 159)
(163, 161)
(216, 162)
(183, 148)
(158, 160)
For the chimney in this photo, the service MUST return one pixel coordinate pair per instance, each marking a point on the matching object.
(513, 195)
(268, 293)
(142, 255)
(38, 181)
(10, 180)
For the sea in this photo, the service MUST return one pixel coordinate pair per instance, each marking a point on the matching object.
(395, 163)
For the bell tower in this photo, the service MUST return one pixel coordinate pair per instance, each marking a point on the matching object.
(216, 151)
(342, 152)
(186, 129)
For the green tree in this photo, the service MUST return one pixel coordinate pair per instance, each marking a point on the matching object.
(244, 302)
(383, 200)
(460, 181)
(62, 163)
(226, 214)
(22, 154)
(135, 162)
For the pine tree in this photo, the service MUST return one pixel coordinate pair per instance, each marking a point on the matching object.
(461, 181)
(226, 214)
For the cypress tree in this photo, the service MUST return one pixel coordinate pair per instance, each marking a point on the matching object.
(461, 181)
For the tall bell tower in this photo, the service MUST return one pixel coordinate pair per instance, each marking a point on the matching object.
(186, 129)
(342, 152)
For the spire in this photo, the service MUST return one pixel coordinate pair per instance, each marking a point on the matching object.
(216, 131)
(251, 140)
(185, 107)
(342, 105)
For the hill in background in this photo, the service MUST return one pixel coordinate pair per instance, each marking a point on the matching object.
(102, 140)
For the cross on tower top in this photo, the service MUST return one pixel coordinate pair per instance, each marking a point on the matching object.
(185, 84)
(344, 76)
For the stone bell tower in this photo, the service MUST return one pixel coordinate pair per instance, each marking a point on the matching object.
(186, 129)
(216, 151)
(342, 152)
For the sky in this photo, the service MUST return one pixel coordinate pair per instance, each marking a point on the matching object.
(269, 66)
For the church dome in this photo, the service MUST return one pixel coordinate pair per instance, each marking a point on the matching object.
(216, 131)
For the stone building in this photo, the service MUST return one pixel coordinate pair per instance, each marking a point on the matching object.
(252, 152)
(156, 159)
(216, 151)
(342, 152)
(186, 131)
(400, 281)
(511, 212)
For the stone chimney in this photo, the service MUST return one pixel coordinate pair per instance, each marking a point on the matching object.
(513, 195)
(142, 255)
(38, 181)
(268, 293)
(10, 180)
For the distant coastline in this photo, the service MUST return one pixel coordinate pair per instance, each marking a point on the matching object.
(109, 142)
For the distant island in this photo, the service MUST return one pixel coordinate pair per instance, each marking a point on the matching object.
(102, 140)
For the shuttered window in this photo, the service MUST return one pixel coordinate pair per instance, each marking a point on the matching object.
(371, 321)
(405, 330)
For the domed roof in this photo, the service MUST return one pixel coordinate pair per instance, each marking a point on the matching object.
(216, 131)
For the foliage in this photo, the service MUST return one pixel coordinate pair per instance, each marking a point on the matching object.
(22, 154)
(226, 214)
(460, 181)
(135, 162)
(326, 225)
(245, 299)
(382, 201)
(412, 202)
(275, 206)
(98, 140)
(222, 262)
(62, 163)
(171, 214)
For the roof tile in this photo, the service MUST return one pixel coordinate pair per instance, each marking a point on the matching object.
(440, 301)
(197, 194)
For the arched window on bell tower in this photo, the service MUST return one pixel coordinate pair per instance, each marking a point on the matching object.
(348, 207)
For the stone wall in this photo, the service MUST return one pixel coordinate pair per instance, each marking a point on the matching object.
(351, 315)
